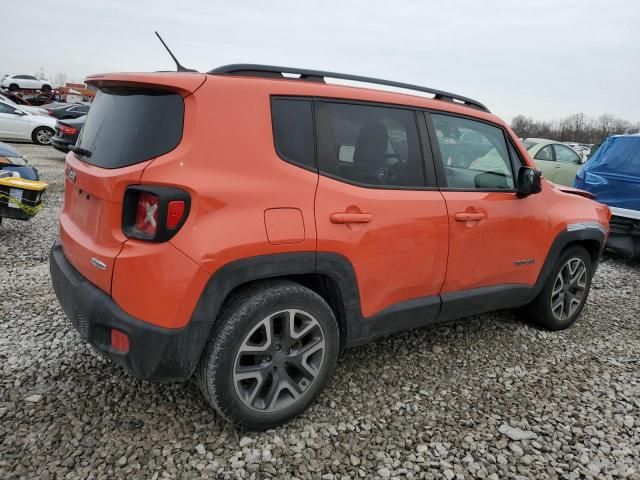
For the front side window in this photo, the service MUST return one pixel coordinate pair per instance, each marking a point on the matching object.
(293, 130)
(474, 154)
(545, 154)
(370, 145)
(5, 108)
(565, 154)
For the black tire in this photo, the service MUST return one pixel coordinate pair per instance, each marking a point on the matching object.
(46, 88)
(541, 312)
(13, 87)
(243, 316)
(42, 136)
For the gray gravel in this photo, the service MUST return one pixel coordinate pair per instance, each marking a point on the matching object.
(486, 397)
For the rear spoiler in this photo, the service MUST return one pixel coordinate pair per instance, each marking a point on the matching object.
(182, 82)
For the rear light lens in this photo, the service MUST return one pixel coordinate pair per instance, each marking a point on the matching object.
(67, 130)
(50, 112)
(154, 213)
(119, 340)
(147, 214)
(175, 212)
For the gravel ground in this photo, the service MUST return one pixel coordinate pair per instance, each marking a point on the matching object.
(486, 397)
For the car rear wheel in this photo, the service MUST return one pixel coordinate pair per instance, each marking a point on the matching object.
(564, 294)
(46, 88)
(13, 87)
(42, 135)
(271, 353)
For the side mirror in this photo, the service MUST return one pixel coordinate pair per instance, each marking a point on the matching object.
(19, 112)
(529, 182)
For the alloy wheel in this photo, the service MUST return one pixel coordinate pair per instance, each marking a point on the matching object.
(279, 360)
(44, 136)
(569, 288)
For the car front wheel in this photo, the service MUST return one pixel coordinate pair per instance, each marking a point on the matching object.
(271, 353)
(565, 292)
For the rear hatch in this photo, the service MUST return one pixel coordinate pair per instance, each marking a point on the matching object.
(134, 119)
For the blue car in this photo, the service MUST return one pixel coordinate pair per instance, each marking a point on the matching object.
(12, 161)
(613, 176)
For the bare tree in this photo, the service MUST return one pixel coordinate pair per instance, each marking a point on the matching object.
(574, 128)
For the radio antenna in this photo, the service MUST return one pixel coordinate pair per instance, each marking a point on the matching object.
(179, 67)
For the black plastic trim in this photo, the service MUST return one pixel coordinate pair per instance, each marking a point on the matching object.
(320, 76)
(160, 354)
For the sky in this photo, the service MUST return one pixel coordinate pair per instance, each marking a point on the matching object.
(544, 59)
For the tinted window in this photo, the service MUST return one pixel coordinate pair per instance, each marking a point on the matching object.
(478, 160)
(130, 125)
(565, 154)
(371, 145)
(545, 154)
(293, 130)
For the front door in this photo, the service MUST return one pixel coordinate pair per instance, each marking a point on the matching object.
(546, 160)
(378, 207)
(567, 165)
(496, 239)
(12, 124)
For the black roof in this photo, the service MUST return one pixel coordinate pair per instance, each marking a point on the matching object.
(253, 70)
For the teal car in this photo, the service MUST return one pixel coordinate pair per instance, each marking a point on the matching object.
(558, 163)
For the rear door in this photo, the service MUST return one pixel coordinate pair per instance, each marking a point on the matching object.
(377, 203)
(126, 128)
(496, 238)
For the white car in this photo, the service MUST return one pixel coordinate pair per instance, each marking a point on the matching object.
(27, 108)
(18, 124)
(26, 82)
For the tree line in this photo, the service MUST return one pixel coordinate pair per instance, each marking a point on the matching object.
(577, 128)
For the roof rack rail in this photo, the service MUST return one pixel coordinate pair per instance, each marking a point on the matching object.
(253, 70)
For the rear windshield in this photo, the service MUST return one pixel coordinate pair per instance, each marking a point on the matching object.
(130, 125)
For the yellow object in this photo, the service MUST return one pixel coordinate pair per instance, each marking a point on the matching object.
(14, 182)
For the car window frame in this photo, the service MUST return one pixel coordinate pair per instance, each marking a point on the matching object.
(322, 124)
(553, 153)
(439, 163)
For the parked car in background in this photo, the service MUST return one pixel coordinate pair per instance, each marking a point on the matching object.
(40, 99)
(27, 108)
(340, 221)
(18, 124)
(25, 82)
(67, 132)
(73, 110)
(12, 161)
(613, 176)
(558, 163)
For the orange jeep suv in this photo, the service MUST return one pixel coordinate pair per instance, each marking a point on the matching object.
(245, 225)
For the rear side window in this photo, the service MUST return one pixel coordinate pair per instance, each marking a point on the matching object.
(293, 130)
(370, 145)
(127, 125)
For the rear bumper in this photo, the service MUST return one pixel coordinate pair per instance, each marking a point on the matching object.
(155, 353)
(624, 234)
(62, 144)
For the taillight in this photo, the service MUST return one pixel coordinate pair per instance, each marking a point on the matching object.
(66, 129)
(147, 214)
(50, 112)
(154, 213)
(175, 212)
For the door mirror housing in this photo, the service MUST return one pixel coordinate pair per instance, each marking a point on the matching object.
(529, 181)
(18, 112)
